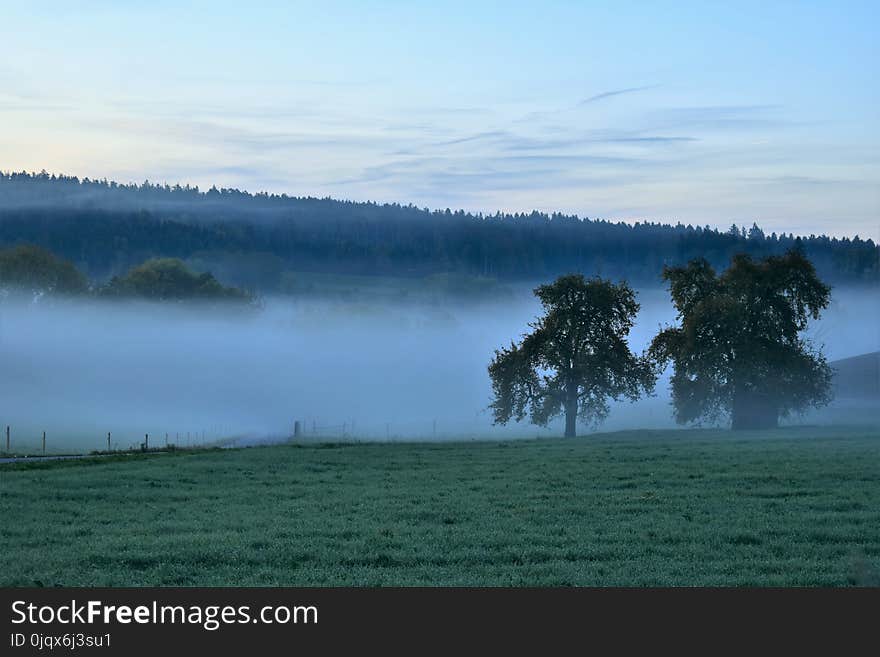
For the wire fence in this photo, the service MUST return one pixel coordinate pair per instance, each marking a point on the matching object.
(28, 443)
(24, 443)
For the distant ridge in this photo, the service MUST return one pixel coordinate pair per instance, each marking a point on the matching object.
(858, 377)
(105, 227)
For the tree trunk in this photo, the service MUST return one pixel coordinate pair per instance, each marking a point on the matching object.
(571, 409)
(753, 411)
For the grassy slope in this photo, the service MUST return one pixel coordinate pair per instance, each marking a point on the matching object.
(797, 506)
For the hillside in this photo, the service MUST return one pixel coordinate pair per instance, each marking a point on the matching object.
(858, 377)
(105, 228)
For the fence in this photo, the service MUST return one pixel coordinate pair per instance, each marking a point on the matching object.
(30, 443)
(25, 444)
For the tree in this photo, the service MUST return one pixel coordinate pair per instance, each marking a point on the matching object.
(34, 270)
(738, 349)
(575, 359)
(166, 279)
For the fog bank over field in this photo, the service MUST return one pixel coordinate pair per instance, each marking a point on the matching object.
(78, 369)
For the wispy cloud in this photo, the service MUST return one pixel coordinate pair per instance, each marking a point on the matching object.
(510, 141)
(615, 92)
(447, 111)
(492, 134)
(716, 117)
(648, 140)
(543, 115)
(210, 133)
(489, 171)
(797, 181)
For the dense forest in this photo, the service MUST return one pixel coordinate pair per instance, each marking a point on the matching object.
(256, 239)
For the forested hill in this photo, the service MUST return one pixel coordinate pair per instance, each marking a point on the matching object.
(105, 227)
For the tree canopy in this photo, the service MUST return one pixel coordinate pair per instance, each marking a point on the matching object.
(34, 270)
(575, 359)
(169, 279)
(738, 349)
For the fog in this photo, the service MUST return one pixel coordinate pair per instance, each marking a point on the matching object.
(387, 371)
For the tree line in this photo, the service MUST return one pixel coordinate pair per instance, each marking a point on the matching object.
(105, 228)
(32, 270)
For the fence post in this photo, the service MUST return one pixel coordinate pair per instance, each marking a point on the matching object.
(7, 438)
(44, 443)
(166, 439)
(108, 441)
(146, 441)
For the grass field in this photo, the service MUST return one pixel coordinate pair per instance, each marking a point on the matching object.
(789, 507)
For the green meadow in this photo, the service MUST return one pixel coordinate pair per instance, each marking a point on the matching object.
(798, 506)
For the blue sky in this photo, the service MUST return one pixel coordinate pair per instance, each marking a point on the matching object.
(701, 112)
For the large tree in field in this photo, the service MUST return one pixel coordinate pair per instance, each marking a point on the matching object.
(575, 359)
(738, 349)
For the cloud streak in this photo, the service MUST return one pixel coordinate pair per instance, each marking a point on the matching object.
(616, 92)
(717, 117)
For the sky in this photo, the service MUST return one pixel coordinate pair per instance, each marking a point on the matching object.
(705, 113)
